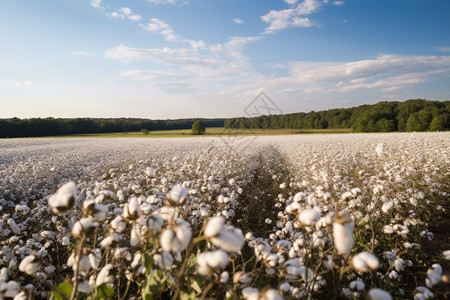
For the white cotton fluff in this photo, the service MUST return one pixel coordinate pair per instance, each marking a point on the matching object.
(343, 234)
(365, 262)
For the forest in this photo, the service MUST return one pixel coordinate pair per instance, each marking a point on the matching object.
(409, 115)
(35, 127)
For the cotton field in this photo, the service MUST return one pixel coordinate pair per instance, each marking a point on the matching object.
(354, 216)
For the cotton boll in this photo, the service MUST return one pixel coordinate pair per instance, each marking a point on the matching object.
(118, 224)
(365, 262)
(446, 254)
(63, 200)
(95, 257)
(250, 293)
(106, 275)
(176, 237)
(150, 172)
(422, 293)
(390, 256)
(136, 236)
(434, 275)
(85, 286)
(84, 227)
(65, 241)
(378, 294)
(387, 205)
(343, 234)
(379, 149)
(49, 269)
(242, 279)
(30, 264)
(328, 263)
(229, 239)
(178, 195)
(155, 222)
(9, 289)
(131, 210)
(388, 229)
(214, 226)
(272, 294)
(110, 241)
(163, 260)
(308, 217)
(399, 264)
(393, 274)
(94, 209)
(357, 285)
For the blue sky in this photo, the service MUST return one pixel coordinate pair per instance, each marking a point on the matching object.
(209, 58)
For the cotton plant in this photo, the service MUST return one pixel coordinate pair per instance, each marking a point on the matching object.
(345, 217)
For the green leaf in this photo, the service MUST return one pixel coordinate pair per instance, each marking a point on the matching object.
(148, 262)
(188, 296)
(105, 292)
(196, 287)
(63, 288)
(154, 284)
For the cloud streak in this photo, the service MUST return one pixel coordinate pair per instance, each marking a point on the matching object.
(161, 27)
(294, 17)
(125, 12)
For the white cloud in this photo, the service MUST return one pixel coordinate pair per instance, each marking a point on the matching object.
(308, 7)
(83, 53)
(125, 12)
(95, 3)
(202, 65)
(238, 21)
(384, 74)
(338, 3)
(28, 84)
(443, 49)
(197, 44)
(290, 2)
(292, 17)
(135, 17)
(161, 27)
(364, 69)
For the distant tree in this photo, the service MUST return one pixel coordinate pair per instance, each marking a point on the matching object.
(144, 131)
(412, 123)
(385, 125)
(439, 122)
(198, 127)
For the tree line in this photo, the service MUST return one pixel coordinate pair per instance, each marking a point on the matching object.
(409, 115)
(34, 127)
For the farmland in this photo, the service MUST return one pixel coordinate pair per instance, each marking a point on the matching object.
(282, 216)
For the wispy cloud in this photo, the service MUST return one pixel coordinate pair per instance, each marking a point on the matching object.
(326, 72)
(197, 65)
(200, 65)
(443, 49)
(161, 27)
(217, 59)
(95, 3)
(238, 21)
(338, 3)
(83, 53)
(125, 12)
(293, 17)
